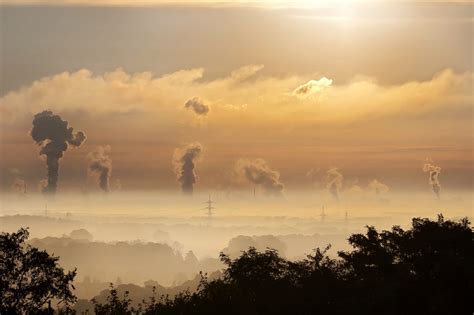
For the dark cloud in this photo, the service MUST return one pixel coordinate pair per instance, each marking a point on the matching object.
(184, 162)
(259, 173)
(101, 164)
(197, 105)
(53, 135)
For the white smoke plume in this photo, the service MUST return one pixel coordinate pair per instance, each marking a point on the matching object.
(378, 188)
(433, 180)
(259, 173)
(19, 186)
(334, 181)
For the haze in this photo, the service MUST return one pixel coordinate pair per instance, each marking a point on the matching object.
(299, 123)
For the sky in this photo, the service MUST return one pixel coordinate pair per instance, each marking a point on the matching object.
(288, 91)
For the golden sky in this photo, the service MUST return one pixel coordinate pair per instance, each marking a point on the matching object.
(373, 91)
(263, 3)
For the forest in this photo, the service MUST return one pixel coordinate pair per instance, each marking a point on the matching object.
(426, 269)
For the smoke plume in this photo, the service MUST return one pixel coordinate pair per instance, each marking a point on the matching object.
(434, 171)
(312, 174)
(42, 184)
(184, 162)
(53, 135)
(377, 187)
(19, 186)
(117, 185)
(334, 182)
(258, 172)
(101, 164)
(197, 105)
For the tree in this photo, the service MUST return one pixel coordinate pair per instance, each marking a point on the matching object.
(114, 304)
(30, 278)
(426, 269)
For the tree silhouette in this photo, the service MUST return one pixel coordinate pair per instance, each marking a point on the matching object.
(426, 269)
(114, 305)
(29, 278)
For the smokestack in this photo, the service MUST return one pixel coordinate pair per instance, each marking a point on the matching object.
(259, 173)
(334, 182)
(433, 180)
(101, 164)
(184, 162)
(53, 135)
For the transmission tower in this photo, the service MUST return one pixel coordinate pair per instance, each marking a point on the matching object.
(323, 214)
(209, 207)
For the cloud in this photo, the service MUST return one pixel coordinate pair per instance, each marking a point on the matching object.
(245, 72)
(119, 92)
(270, 100)
(261, 111)
(311, 87)
(259, 173)
(197, 105)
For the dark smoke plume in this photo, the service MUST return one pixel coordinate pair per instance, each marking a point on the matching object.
(334, 182)
(258, 172)
(434, 171)
(53, 135)
(184, 162)
(101, 164)
(197, 105)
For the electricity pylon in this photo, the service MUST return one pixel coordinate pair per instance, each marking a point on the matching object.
(209, 207)
(323, 214)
